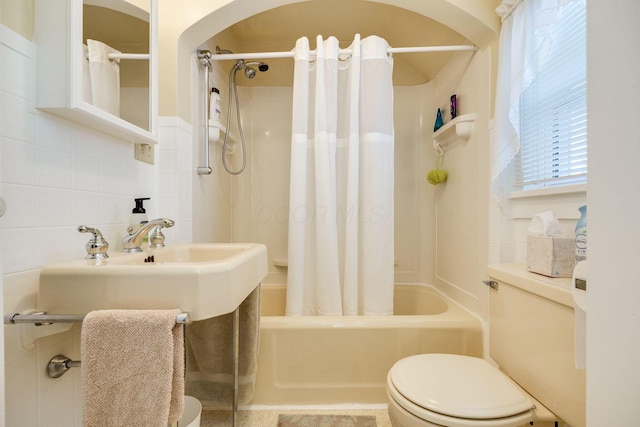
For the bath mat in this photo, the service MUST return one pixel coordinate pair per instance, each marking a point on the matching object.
(297, 420)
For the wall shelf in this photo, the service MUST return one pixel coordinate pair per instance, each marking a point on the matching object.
(217, 132)
(281, 262)
(459, 128)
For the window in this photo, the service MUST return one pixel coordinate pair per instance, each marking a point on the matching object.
(553, 109)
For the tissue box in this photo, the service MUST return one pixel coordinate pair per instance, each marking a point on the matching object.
(551, 256)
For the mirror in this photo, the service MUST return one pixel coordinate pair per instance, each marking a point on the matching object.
(119, 85)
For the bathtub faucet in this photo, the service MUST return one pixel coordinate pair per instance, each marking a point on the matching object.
(132, 241)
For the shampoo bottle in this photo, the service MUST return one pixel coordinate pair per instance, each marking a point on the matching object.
(138, 215)
(581, 235)
(215, 106)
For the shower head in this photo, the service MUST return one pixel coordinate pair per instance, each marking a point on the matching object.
(250, 71)
(261, 65)
(248, 67)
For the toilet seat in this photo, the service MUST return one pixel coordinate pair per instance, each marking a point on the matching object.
(457, 391)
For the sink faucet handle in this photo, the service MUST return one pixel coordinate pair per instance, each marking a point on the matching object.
(156, 238)
(97, 246)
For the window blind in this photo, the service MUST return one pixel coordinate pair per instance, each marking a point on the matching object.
(553, 109)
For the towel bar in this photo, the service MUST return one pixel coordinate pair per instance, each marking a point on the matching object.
(42, 318)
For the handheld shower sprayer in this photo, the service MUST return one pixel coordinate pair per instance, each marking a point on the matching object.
(249, 72)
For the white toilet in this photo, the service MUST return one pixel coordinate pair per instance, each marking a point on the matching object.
(531, 338)
(454, 391)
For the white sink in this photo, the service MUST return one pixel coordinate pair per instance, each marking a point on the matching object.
(203, 279)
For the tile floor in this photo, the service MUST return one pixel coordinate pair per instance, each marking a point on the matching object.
(269, 418)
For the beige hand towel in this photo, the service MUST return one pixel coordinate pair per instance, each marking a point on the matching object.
(132, 368)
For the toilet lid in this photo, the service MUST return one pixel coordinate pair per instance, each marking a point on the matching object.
(458, 386)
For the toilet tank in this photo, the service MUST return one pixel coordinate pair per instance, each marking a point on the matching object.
(531, 323)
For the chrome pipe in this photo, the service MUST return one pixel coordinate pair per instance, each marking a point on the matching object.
(205, 56)
(44, 319)
(236, 368)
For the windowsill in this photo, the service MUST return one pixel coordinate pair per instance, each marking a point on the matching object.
(552, 191)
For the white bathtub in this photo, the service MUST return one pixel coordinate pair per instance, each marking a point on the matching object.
(314, 360)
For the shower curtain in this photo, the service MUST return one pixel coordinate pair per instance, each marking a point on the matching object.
(341, 184)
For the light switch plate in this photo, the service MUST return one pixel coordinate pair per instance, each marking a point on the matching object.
(144, 153)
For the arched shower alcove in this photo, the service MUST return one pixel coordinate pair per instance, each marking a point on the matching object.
(430, 223)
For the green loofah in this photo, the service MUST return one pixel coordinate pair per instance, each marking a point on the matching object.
(436, 176)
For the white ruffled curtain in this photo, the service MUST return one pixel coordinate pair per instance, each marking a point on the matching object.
(525, 42)
(341, 191)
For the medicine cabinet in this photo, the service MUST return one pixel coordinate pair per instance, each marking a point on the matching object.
(97, 64)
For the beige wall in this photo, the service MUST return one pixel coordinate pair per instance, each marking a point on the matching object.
(18, 15)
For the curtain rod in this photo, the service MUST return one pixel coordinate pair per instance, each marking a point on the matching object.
(290, 53)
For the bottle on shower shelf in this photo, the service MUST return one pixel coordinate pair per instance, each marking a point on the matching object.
(439, 122)
(454, 106)
(215, 106)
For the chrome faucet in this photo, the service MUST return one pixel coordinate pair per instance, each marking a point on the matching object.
(132, 241)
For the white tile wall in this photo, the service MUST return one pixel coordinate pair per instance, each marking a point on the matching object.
(175, 173)
(57, 175)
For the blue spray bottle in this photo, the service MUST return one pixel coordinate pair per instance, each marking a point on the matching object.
(439, 122)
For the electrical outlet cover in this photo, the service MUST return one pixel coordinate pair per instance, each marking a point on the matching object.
(144, 153)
